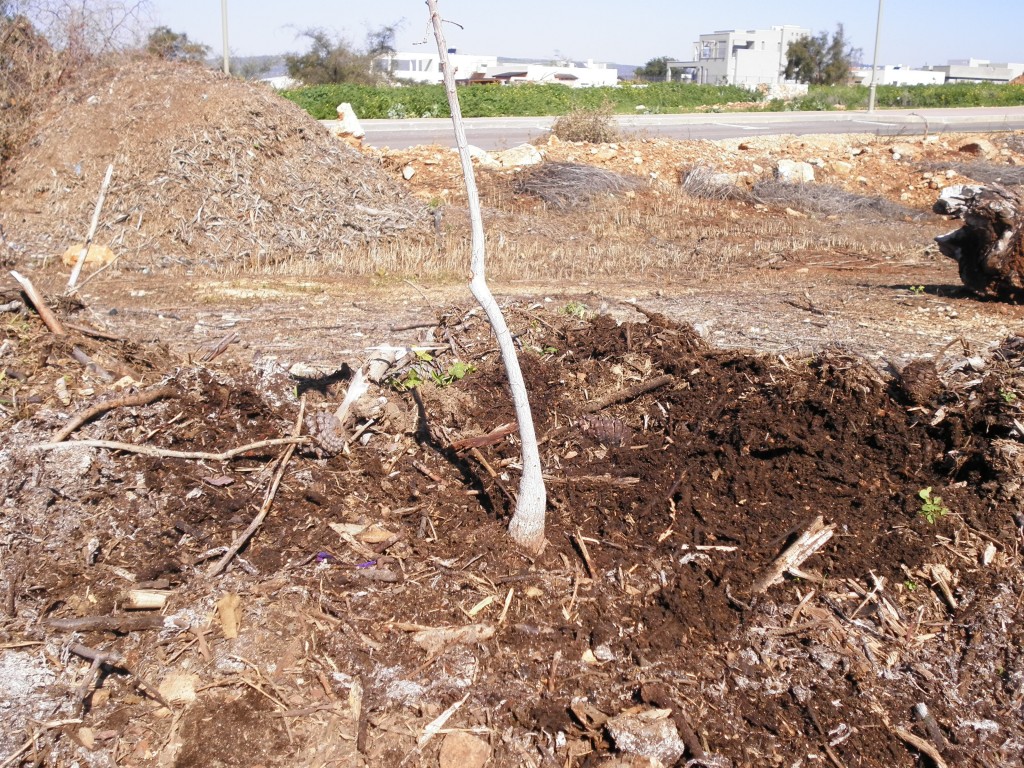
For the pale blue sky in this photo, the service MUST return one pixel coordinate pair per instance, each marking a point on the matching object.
(913, 33)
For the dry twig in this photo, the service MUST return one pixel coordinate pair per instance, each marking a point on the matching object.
(148, 450)
(257, 521)
(629, 393)
(142, 398)
(45, 313)
(108, 623)
(810, 541)
(80, 261)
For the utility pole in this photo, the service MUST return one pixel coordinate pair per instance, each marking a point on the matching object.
(224, 30)
(874, 61)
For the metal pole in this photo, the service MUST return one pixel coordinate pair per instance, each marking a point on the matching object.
(224, 28)
(874, 61)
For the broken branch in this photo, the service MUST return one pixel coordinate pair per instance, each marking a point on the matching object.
(920, 745)
(148, 450)
(45, 313)
(629, 393)
(257, 521)
(493, 437)
(142, 398)
(809, 542)
(80, 262)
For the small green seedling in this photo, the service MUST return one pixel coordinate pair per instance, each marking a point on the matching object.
(910, 585)
(1008, 395)
(456, 372)
(576, 309)
(917, 290)
(410, 381)
(932, 507)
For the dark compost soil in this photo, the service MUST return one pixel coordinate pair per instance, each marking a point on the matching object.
(318, 644)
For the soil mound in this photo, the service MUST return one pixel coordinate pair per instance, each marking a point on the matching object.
(382, 589)
(207, 169)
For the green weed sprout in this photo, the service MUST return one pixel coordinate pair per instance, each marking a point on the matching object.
(932, 507)
(576, 309)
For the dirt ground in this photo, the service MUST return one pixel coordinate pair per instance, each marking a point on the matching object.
(784, 493)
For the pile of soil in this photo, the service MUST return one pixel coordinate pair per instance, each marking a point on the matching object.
(378, 614)
(910, 170)
(381, 592)
(208, 169)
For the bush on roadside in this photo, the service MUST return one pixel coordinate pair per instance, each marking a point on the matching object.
(595, 125)
(524, 100)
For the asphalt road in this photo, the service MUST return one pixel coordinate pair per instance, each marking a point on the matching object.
(503, 132)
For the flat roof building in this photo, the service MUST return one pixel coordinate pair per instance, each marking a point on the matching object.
(747, 58)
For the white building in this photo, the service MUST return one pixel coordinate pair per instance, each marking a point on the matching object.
(750, 58)
(426, 67)
(569, 73)
(978, 71)
(892, 74)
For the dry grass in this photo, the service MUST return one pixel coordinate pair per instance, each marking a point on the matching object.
(984, 172)
(826, 199)
(596, 126)
(571, 185)
(660, 234)
(1014, 142)
(704, 183)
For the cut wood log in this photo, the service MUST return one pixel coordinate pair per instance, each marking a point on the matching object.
(810, 541)
(988, 248)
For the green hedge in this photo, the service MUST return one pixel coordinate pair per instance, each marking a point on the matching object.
(370, 102)
(524, 100)
(908, 96)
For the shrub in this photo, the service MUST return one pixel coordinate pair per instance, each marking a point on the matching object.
(595, 125)
(570, 185)
(523, 100)
(30, 67)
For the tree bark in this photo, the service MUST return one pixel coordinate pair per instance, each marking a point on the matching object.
(527, 525)
(988, 248)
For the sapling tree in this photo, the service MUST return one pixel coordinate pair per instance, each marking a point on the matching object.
(527, 526)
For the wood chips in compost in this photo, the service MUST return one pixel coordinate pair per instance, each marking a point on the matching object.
(208, 170)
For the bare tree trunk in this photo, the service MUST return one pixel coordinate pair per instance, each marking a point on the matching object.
(527, 526)
(989, 247)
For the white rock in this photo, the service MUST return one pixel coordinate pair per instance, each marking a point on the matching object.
(794, 172)
(650, 734)
(348, 122)
(482, 157)
(524, 154)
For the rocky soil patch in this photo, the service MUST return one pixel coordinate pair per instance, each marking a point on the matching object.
(785, 487)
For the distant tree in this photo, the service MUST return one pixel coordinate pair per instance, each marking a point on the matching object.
(336, 60)
(81, 29)
(841, 58)
(821, 60)
(164, 43)
(382, 39)
(654, 69)
(252, 67)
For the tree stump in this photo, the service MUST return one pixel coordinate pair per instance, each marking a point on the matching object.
(988, 248)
